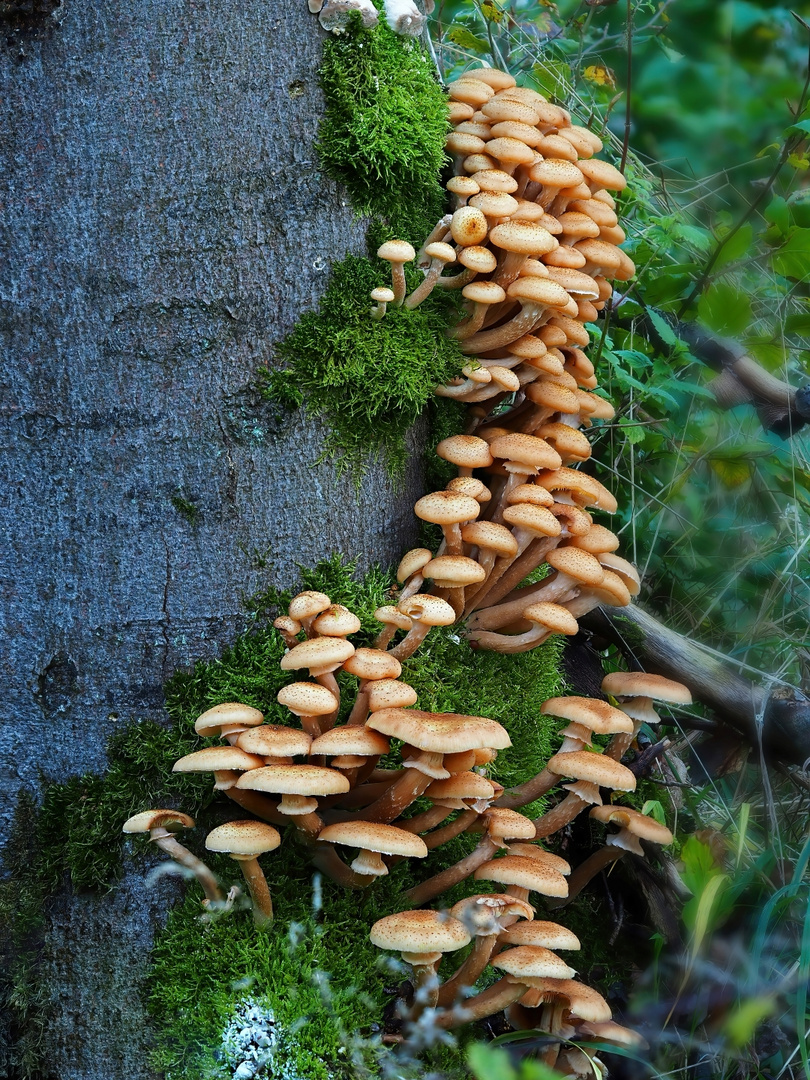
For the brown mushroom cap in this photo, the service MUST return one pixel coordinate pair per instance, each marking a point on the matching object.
(642, 684)
(373, 664)
(520, 449)
(274, 740)
(592, 713)
(467, 451)
(446, 508)
(480, 913)
(525, 873)
(468, 226)
(308, 604)
(219, 759)
(577, 564)
(371, 836)
(594, 768)
(508, 824)
(421, 936)
(549, 935)
(451, 571)
(461, 786)
(146, 820)
(229, 715)
(321, 654)
(246, 838)
(390, 694)
(556, 618)
(547, 858)
(640, 825)
(336, 621)
(427, 609)
(308, 780)
(583, 1002)
(533, 518)
(523, 237)
(441, 733)
(350, 740)
(412, 561)
(534, 962)
(489, 536)
(307, 699)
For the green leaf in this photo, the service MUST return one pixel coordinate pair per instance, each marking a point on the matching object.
(733, 473)
(778, 213)
(724, 309)
(554, 78)
(459, 35)
(653, 808)
(792, 260)
(743, 1021)
(738, 245)
(802, 128)
(664, 330)
(490, 1063)
(634, 433)
(706, 909)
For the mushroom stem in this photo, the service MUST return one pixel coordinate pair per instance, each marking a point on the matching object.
(529, 791)
(553, 589)
(560, 815)
(449, 832)
(167, 843)
(439, 883)
(327, 860)
(470, 970)
(257, 804)
(508, 643)
(411, 642)
(586, 872)
(425, 989)
(397, 797)
(505, 578)
(500, 995)
(621, 742)
(429, 819)
(259, 892)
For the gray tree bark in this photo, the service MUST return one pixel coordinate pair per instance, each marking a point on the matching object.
(163, 223)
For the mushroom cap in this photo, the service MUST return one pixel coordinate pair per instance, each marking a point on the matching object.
(556, 618)
(502, 110)
(525, 450)
(249, 838)
(592, 713)
(525, 873)
(390, 694)
(523, 237)
(295, 780)
(307, 699)
(494, 77)
(373, 664)
(446, 508)
(603, 174)
(549, 935)
(382, 295)
(595, 768)
(460, 786)
(427, 609)
(396, 251)
(275, 740)
(536, 519)
(483, 292)
(583, 1001)
(547, 858)
(171, 820)
(551, 393)
(510, 150)
(534, 962)
(412, 561)
(371, 836)
(392, 616)
(449, 571)
(577, 564)
(640, 825)
(308, 604)
(471, 91)
(444, 253)
(623, 569)
(597, 540)
(318, 654)
(230, 713)
(468, 226)
(642, 684)
(462, 185)
(353, 739)
(219, 759)
(441, 733)
(466, 451)
(489, 536)
(419, 932)
(609, 1032)
(555, 173)
(508, 824)
(570, 443)
(495, 180)
(481, 260)
(480, 913)
(336, 621)
(530, 493)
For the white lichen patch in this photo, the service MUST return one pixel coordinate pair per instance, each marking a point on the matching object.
(255, 1046)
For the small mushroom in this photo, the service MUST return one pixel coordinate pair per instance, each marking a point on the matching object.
(161, 826)
(245, 841)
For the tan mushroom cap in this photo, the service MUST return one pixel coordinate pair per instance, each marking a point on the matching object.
(307, 699)
(547, 858)
(640, 825)
(453, 790)
(495, 180)
(146, 820)
(494, 77)
(643, 684)
(396, 251)
(373, 664)
(554, 617)
(549, 935)
(390, 694)
(509, 151)
(534, 518)
(427, 609)
(336, 621)
(371, 836)
(457, 111)
(446, 508)
(274, 740)
(595, 768)
(219, 759)
(587, 489)
(463, 186)
(592, 713)
(603, 174)
(570, 443)
(594, 407)
(523, 237)
(309, 780)
(468, 226)
(623, 569)
(583, 1001)
(472, 486)
(467, 451)
(534, 962)
(503, 110)
(420, 936)
(596, 540)
(613, 1033)
(555, 173)
(441, 733)
(494, 204)
(413, 561)
(356, 740)
(484, 292)
(231, 714)
(489, 536)
(441, 252)
(525, 873)
(470, 91)
(577, 564)
(530, 493)
(477, 258)
(320, 655)
(451, 571)
(508, 824)
(392, 616)
(246, 838)
(464, 142)
(480, 913)
(552, 394)
(520, 449)
(308, 604)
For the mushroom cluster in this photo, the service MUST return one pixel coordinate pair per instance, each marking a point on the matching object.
(536, 236)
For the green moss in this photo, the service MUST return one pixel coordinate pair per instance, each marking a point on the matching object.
(383, 131)
(370, 379)
(187, 509)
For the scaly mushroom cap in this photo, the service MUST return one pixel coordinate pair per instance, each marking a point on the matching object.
(307, 699)
(555, 173)
(310, 780)
(427, 609)
(525, 873)
(451, 571)
(495, 180)
(219, 759)
(370, 836)
(597, 540)
(602, 174)
(552, 394)
(503, 824)
(274, 740)
(482, 261)
(642, 684)
(462, 787)
(350, 740)
(446, 508)
(488, 536)
(569, 442)
(592, 713)
(373, 664)
(583, 1001)
(171, 820)
(230, 715)
(246, 838)
(396, 251)
(533, 962)
(523, 237)
(320, 655)
(468, 226)
(480, 913)
(412, 561)
(421, 936)
(441, 733)
(530, 493)
(613, 1033)
(547, 858)
(336, 621)
(494, 77)
(537, 519)
(594, 768)
(549, 935)
(390, 694)
(466, 451)
(307, 605)
(392, 616)
(640, 825)
(577, 564)
(528, 450)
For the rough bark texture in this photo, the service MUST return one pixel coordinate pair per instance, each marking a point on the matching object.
(163, 222)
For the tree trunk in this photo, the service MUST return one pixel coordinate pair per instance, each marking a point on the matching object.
(163, 222)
